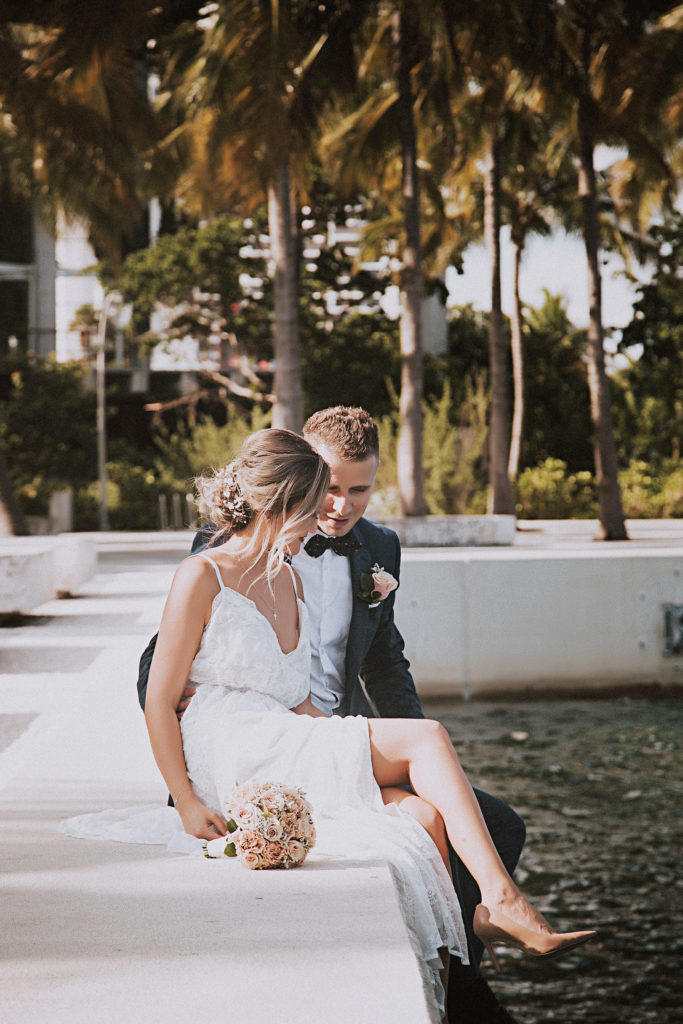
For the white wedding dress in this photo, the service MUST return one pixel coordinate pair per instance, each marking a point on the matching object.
(239, 727)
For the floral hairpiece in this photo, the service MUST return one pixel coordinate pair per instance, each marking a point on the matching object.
(236, 508)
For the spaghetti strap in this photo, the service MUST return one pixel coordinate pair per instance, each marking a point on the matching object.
(206, 558)
(294, 583)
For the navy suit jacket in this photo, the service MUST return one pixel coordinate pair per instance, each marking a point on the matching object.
(374, 651)
(376, 667)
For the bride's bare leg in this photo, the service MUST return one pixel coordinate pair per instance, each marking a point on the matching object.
(420, 752)
(425, 814)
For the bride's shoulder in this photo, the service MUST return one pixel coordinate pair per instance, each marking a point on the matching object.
(221, 569)
(195, 572)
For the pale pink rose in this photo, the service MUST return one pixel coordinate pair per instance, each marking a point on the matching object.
(272, 801)
(243, 794)
(273, 830)
(243, 815)
(298, 805)
(250, 839)
(289, 822)
(296, 851)
(384, 583)
(303, 827)
(250, 860)
(274, 853)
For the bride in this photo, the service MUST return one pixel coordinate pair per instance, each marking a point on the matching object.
(235, 626)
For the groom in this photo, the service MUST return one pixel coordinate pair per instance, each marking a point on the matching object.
(358, 666)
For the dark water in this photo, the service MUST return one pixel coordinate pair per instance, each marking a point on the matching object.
(599, 784)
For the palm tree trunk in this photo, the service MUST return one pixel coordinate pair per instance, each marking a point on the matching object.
(612, 526)
(409, 451)
(288, 408)
(500, 492)
(517, 346)
(12, 522)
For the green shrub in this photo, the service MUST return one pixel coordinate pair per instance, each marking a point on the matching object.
(547, 491)
(132, 499)
(652, 492)
(47, 428)
(385, 500)
(455, 454)
(671, 496)
(640, 491)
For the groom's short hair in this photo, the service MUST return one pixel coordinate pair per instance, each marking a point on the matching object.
(349, 431)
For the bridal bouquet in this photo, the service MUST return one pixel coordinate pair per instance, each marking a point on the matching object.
(269, 826)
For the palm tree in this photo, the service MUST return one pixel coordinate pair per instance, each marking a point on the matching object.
(247, 85)
(398, 111)
(500, 499)
(498, 49)
(409, 451)
(603, 44)
(74, 102)
(75, 123)
(538, 193)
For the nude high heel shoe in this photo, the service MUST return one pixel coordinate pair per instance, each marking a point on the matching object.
(493, 926)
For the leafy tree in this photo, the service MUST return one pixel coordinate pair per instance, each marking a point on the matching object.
(649, 393)
(557, 397)
(196, 448)
(196, 274)
(355, 363)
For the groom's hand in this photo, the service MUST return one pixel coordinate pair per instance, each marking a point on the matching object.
(188, 694)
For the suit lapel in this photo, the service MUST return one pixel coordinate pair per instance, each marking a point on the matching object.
(361, 561)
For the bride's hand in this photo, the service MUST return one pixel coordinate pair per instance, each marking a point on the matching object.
(199, 820)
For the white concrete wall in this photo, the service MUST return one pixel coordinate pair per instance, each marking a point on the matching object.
(509, 619)
(34, 570)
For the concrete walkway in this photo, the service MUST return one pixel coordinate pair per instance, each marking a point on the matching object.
(109, 933)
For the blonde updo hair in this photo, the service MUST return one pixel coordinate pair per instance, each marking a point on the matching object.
(276, 479)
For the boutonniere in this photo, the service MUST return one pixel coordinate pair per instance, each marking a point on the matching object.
(375, 585)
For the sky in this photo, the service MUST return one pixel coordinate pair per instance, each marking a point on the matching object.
(557, 263)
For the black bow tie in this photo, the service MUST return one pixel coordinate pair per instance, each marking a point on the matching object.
(320, 542)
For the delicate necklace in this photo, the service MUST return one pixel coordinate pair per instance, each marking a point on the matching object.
(265, 605)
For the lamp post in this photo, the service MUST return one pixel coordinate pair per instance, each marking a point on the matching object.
(102, 412)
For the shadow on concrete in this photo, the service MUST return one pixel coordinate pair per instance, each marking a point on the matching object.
(36, 660)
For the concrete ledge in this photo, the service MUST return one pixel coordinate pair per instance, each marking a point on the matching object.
(452, 531)
(143, 935)
(25, 577)
(525, 619)
(34, 570)
(74, 560)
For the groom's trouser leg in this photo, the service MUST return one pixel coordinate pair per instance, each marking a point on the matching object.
(508, 832)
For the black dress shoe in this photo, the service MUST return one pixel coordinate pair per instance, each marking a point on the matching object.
(476, 1004)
